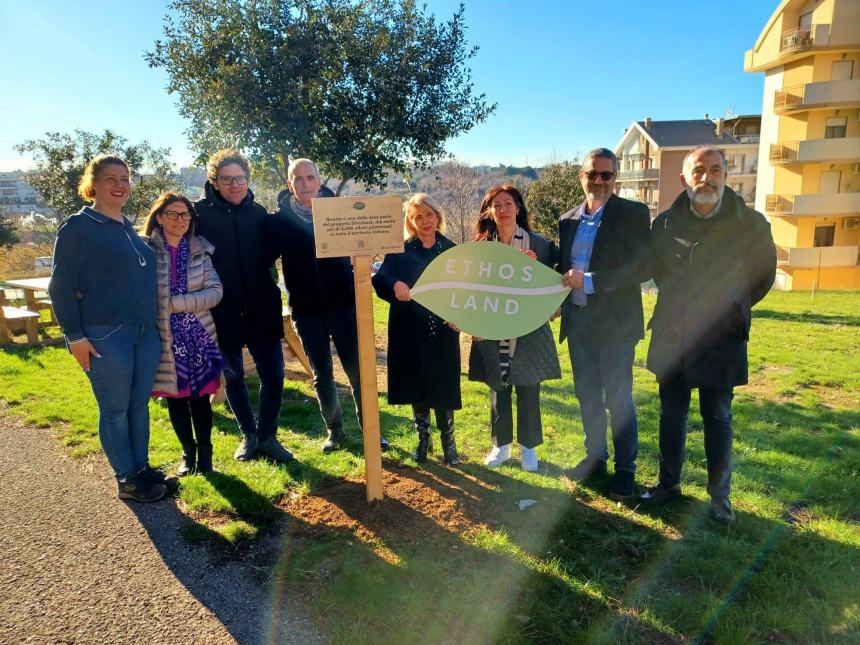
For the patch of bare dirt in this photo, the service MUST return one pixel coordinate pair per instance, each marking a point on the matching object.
(419, 508)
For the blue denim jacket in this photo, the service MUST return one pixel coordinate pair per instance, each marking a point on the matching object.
(103, 274)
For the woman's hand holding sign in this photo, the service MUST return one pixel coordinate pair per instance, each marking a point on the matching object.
(401, 291)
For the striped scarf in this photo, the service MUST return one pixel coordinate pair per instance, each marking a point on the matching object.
(519, 241)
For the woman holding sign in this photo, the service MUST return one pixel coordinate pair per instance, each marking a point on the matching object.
(423, 350)
(518, 363)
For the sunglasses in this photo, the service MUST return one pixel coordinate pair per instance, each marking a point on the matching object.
(605, 175)
(227, 180)
(185, 216)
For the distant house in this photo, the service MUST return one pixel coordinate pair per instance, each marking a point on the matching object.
(651, 152)
(16, 195)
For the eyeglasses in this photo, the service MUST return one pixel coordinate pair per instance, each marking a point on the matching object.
(227, 180)
(605, 175)
(185, 216)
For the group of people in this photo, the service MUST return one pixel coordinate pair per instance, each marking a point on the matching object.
(169, 313)
(166, 313)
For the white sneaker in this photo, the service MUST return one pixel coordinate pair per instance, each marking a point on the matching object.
(528, 459)
(498, 455)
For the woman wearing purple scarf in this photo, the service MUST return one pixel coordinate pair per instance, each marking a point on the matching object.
(188, 287)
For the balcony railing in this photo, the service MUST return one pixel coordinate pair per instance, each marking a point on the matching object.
(784, 151)
(793, 44)
(788, 96)
(833, 150)
(797, 39)
(818, 95)
(819, 256)
(748, 138)
(640, 174)
(780, 204)
(815, 205)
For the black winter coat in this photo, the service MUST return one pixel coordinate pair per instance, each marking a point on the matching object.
(710, 272)
(619, 264)
(314, 285)
(535, 358)
(250, 310)
(423, 352)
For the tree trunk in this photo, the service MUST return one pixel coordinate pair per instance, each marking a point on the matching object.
(340, 187)
(285, 160)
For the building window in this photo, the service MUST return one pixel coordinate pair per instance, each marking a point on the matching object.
(835, 127)
(824, 235)
(841, 70)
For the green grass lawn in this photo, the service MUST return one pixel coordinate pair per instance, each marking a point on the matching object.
(574, 567)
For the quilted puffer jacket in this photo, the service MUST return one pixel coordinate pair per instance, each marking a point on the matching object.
(204, 292)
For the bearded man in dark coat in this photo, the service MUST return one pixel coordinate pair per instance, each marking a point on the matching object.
(713, 259)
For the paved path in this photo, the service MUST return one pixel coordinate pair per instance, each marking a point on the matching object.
(79, 566)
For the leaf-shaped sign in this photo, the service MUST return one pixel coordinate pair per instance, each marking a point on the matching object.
(490, 290)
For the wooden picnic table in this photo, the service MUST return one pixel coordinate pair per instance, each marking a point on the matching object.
(30, 287)
(28, 316)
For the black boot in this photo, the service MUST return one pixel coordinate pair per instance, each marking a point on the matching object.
(445, 421)
(188, 461)
(333, 440)
(204, 458)
(422, 426)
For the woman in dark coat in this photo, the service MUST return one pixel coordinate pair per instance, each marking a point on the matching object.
(523, 362)
(423, 350)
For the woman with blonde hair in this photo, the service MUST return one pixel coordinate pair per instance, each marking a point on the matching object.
(104, 297)
(423, 350)
(188, 287)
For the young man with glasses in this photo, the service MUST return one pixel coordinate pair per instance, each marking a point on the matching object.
(603, 251)
(249, 315)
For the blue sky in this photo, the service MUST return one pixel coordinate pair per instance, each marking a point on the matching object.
(567, 75)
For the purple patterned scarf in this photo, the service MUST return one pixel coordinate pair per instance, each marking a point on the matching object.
(198, 361)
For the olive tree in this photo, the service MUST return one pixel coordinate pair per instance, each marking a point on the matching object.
(360, 86)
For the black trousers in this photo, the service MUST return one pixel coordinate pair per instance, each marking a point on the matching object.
(715, 405)
(529, 428)
(188, 411)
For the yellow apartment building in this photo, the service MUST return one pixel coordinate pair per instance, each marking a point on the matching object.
(808, 180)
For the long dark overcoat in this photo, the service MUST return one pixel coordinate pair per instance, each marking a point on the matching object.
(709, 272)
(535, 358)
(423, 352)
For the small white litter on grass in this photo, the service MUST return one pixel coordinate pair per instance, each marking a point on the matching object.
(525, 503)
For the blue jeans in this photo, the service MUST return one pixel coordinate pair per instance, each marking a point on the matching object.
(269, 361)
(715, 405)
(122, 381)
(317, 329)
(603, 380)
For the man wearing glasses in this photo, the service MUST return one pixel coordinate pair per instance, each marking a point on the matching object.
(249, 315)
(603, 254)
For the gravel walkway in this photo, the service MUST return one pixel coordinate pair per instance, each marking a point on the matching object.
(77, 565)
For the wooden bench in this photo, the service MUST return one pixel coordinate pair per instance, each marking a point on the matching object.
(17, 319)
